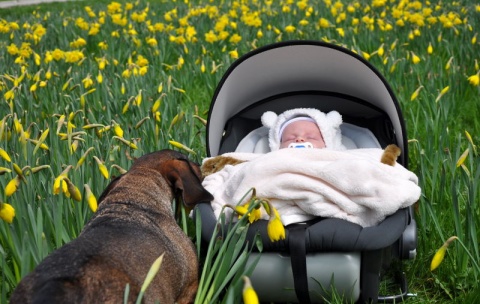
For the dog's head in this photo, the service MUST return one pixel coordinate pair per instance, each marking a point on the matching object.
(182, 175)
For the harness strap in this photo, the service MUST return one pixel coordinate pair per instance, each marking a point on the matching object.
(298, 258)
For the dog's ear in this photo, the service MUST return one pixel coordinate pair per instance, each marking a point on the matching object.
(185, 179)
(109, 188)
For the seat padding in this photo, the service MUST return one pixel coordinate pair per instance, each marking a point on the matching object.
(322, 235)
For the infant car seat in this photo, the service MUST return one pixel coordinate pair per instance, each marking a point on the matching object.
(324, 254)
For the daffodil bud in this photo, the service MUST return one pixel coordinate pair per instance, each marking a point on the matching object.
(249, 294)
(119, 169)
(4, 170)
(12, 186)
(118, 130)
(103, 169)
(275, 229)
(462, 157)
(4, 155)
(91, 199)
(57, 184)
(83, 157)
(156, 105)
(138, 124)
(126, 142)
(176, 144)
(440, 254)
(39, 168)
(7, 212)
(60, 123)
(73, 190)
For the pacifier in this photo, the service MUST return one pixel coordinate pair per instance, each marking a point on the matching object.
(301, 145)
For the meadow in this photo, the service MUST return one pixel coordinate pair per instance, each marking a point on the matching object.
(88, 86)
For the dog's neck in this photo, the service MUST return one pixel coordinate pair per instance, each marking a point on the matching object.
(153, 193)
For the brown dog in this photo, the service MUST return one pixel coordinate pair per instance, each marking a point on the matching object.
(133, 226)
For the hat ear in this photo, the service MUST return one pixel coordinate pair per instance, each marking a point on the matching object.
(269, 118)
(334, 118)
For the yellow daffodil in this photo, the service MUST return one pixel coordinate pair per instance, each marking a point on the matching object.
(440, 254)
(442, 92)
(381, 51)
(462, 157)
(9, 95)
(474, 79)
(259, 34)
(249, 294)
(233, 54)
(7, 212)
(103, 169)
(138, 98)
(415, 58)
(4, 155)
(158, 116)
(118, 130)
(449, 63)
(323, 23)
(290, 29)
(156, 105)
(100, 77)
(87, 82)
(83, 157)
(12, 186)
(275, 228)
(34, 86)
(91, 199)
(57, 184)
(253, 215)
(470, 140)
(241, 210)
(415, 94)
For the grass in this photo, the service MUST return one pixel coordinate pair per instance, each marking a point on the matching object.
(155, 92)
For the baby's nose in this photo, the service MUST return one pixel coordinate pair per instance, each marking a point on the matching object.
(299, 139)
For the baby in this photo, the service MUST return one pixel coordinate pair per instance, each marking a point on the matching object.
(296, 128)
(304, 128)
(301, 132)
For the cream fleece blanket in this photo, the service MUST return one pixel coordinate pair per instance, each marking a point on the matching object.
(303, 183)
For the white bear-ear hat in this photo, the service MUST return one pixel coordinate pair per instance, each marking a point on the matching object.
(329, 125)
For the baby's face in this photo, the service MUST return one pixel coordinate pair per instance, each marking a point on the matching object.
(302, 131)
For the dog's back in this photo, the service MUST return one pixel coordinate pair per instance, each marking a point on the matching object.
(132, 227)
(82, 271)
